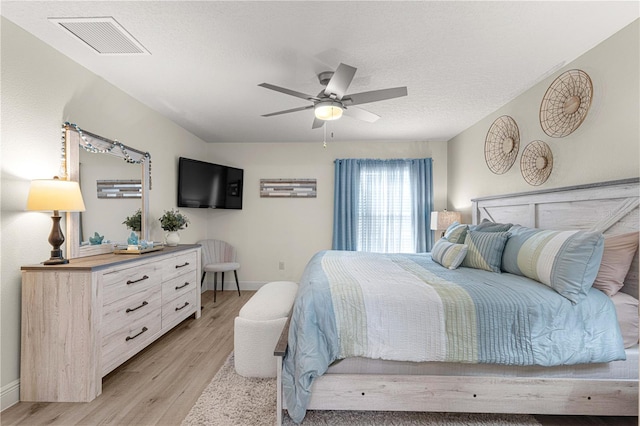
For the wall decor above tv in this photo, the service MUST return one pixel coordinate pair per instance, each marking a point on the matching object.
(208, 185)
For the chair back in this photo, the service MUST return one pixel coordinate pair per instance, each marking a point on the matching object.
(217, 251)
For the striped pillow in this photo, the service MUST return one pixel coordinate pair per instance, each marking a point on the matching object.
(456, 233)
(487, 226)
(485, 250)
(448, 254)
(566, 261)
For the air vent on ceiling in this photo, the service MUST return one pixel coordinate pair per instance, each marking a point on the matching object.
(102, 34)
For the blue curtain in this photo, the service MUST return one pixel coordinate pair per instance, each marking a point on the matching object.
(345, 208)
(369, 216)
(422, 185)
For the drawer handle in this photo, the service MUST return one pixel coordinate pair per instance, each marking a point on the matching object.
(133, 337)
(144, 277)
(183, 306)
(183, 265)
(137, 307)
(182, 286)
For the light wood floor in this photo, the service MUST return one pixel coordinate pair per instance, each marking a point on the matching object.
(160, 385)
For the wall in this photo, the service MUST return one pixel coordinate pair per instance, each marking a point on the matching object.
(41, 89)
(269, 231)
(605, 147)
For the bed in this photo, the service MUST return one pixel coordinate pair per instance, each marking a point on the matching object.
(531, 374)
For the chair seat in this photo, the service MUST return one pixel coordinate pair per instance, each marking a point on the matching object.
(221, 267)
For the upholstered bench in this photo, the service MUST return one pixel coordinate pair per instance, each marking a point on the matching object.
(258, 327)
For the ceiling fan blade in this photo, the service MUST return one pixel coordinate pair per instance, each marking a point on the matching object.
(289, 92)
(317, 123)
(374, 96)
(361, 114)
(288, 111)
(340, 81)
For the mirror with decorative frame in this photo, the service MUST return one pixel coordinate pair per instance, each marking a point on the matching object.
(76, 140)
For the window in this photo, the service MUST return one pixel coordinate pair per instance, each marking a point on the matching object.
(385, 222)
(383, 205)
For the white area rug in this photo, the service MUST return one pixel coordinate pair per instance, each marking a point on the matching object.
(231, 399)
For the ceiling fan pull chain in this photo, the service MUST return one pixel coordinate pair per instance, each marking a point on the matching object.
(324, 143)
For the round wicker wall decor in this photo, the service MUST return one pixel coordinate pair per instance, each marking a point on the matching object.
(566, 103)
(502, 144)
(536, 163)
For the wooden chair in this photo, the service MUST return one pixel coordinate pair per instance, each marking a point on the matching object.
(218, 256)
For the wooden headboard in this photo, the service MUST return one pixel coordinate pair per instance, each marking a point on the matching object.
(608, 207)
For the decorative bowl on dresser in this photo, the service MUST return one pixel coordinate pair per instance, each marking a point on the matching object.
(82, 320)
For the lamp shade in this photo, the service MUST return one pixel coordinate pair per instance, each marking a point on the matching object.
(328, 110)
(55, 194)
(442, 219)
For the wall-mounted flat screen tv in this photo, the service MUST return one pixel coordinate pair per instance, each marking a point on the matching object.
(208, 185)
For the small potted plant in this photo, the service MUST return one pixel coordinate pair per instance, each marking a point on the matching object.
(134, 222)
(173, 221)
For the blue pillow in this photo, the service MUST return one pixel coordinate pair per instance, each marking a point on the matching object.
(485, 250)
(448, 254)
(566, 261)
(487, 226)
(456, 233)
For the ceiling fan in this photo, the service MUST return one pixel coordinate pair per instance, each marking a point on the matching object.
(333, 101)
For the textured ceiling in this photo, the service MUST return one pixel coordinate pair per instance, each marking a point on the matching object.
(460, 60)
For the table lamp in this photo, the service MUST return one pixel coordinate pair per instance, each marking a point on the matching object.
(442, 219)
(57, 195)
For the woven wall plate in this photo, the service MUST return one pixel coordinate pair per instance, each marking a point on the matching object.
(536, 163)
(502, 144)
(566, 103)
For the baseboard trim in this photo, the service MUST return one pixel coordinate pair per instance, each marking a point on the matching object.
(10, 395)
(244, 285)
(231, 285)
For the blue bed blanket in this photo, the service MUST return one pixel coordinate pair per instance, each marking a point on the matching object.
(405, 307)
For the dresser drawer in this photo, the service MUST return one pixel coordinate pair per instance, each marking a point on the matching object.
(179, 265)
(129, 339)
(124, 283)
(179, 285)
(122, 312)
(178, 309)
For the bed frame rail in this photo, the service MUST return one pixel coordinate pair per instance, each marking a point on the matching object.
(475, 394)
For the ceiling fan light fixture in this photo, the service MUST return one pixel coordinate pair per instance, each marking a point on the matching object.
(328, 110)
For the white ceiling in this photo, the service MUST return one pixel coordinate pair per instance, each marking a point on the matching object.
(459, 60)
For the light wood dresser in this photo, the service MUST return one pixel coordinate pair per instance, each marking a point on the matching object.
(83, 319)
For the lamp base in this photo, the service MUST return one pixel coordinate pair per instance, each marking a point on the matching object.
(56, 258)
(53, 261)
(56, 239)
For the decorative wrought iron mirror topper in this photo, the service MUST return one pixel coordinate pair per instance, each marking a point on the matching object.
(100, 145)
